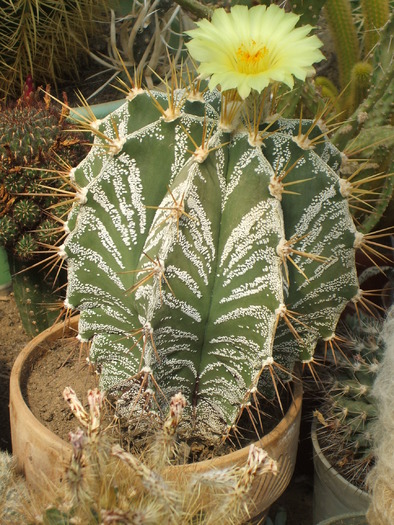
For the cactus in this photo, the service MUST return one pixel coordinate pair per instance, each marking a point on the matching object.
(368, 132)
(376, 14)
(340, 20)
(105, 484)
(181, 264)
(41, 40)
(349, 412)
(33, 144)
(375, 110)
(35, 140)
(209, 249)
(12, 491)
(381, 478)
(308, 10)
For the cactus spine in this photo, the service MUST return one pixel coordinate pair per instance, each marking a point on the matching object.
(35, 142)
(381, 478)
(350, 410)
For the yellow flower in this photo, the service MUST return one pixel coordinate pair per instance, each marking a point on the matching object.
(250, 48)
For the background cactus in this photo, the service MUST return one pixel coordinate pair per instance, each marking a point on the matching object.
(187, 241)
(12, 491)
(140, 38)
(369, 133)
(381, 478)
(41, 39)
(349, 411)
(35, 144)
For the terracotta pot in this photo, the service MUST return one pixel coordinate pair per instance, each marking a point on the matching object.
(43, 455)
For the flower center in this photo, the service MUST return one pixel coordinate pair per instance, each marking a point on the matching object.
(251, 58)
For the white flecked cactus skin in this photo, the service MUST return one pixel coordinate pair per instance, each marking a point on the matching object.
(199, 257)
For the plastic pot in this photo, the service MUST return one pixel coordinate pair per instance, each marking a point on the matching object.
(333, 495)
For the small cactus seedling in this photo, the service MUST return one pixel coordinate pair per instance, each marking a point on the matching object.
(212, 245)
(349, 412)
(105, 484)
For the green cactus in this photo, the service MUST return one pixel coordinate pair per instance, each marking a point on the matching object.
(35, 142)
(375, 15)
(340, 20)
(308, 10)
(182, 263)
(375, 111)
(41, 39)
(349, 412)
(368, 133)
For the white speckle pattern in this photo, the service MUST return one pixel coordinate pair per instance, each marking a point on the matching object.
(185, 254)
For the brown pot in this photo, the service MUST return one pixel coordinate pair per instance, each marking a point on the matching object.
(41, 455)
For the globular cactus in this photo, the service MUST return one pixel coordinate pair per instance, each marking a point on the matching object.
(35, 144)
(181, 264)
(207, 251)
(350, 410)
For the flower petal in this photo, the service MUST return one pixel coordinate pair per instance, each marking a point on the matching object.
(249, 48)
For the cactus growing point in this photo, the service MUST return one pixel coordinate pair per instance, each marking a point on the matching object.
(209, 248)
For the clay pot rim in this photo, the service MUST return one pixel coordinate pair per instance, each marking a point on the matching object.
(28, 353)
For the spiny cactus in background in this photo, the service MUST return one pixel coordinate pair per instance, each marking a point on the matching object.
(45, 39)
(381, 479)
(210, 247)
(142, 35)
(36, 145)
(308, 10)
(369, 134)
(12, 492)
(355, 52)
(364, 105)
(35, 142)
(349, 412)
